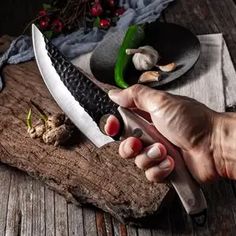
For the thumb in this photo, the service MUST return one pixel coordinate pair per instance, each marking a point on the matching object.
(139, 96)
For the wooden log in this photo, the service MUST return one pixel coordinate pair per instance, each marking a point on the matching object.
(80, 172)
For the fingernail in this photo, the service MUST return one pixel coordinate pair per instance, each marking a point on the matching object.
(114, 93)
(154, 152)
(113, 126)
(165, 164)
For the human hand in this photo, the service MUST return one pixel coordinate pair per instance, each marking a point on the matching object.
(185, 122)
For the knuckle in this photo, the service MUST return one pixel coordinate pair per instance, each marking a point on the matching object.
(206, 176)
(138, 164)
(121, 150)
(153, 176)
(137, 91)
(163, 97)
(137, 88)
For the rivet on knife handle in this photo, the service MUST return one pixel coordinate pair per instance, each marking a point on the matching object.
(186, 187)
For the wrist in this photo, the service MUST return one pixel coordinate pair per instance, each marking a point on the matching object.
(224, 144)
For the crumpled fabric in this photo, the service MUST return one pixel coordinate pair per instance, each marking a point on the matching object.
(20, 50)
(78, 43)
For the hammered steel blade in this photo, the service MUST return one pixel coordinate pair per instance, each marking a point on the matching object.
(81, 100)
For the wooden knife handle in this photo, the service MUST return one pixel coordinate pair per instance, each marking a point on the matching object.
(186, 187)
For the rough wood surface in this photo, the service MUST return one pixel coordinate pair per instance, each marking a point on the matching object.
(80, 172)
(20, 195)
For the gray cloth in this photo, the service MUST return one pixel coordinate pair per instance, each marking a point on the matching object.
(213, 71)
(78, 43)
(20, 50)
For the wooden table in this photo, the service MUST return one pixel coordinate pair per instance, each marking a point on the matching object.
(27, 207)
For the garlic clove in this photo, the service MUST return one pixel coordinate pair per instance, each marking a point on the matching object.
(168, 68)
(132, 51)
(149, 76)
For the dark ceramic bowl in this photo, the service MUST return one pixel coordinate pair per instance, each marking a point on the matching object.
(173, 42)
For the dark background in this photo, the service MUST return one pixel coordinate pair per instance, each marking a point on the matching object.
(16, 14)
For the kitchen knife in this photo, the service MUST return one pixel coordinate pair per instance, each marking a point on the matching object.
(86, 104)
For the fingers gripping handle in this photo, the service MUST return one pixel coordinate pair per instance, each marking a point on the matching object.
(186, 187)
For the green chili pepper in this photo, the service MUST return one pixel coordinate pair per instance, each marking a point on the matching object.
(133, 37)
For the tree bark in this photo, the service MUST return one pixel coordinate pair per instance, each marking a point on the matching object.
(79, 171)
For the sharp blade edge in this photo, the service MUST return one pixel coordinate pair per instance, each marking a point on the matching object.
(62, 95)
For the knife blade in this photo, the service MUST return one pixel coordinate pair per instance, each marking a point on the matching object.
(85, 104)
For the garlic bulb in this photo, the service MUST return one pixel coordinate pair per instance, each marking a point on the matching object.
(144, 58)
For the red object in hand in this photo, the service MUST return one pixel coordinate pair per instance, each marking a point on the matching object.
(120, 11)
(44, 23)
(57, 26)
(42, 13)
(96, 9)
(105, 23)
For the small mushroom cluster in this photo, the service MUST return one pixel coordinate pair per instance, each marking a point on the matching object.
(145, 59)
(55, 129)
